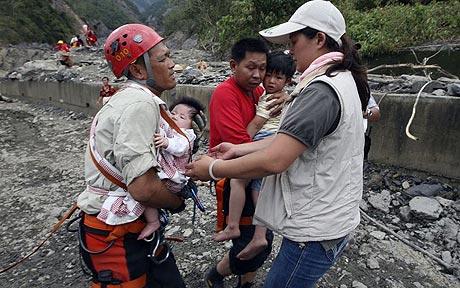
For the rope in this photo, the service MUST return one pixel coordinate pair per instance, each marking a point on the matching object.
(413, 112)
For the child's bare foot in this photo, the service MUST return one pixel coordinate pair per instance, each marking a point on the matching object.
(254, 247)
(230, 232)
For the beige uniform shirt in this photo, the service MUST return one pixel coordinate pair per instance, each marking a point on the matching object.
(124, 136)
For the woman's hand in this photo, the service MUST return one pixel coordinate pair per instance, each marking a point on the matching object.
(198, 169)
(276, 103)
(224, 151)
(160, 141)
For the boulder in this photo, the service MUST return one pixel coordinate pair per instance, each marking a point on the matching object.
(428, 190)
(451, 229)
(380, 201)
(424, 207)
(417, 85)
(453, 89)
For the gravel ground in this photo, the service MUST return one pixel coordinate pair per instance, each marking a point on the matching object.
(41, 150)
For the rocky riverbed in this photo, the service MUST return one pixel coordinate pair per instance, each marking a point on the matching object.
(41, 149)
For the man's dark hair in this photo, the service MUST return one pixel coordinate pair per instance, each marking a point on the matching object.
(105, 78)
(282, 63)
(196, 105)
(244, 45)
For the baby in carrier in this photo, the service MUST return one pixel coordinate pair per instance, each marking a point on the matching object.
(175, 151)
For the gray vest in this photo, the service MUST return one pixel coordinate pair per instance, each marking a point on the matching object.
(317, 197)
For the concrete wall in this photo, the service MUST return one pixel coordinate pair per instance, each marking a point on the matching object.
(436, 124)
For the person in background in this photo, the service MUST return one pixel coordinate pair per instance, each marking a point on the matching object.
(106, 92)
(91, 38)
(372, 114)
(313, 167)
(62, 46)
(76, 42)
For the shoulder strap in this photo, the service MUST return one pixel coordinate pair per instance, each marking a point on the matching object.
(106, 169)
(106, 173)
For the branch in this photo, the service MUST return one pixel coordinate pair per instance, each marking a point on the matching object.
(414, 66)
(408, 65)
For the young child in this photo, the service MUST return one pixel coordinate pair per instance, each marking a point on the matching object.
(280, 69)
(175, 151)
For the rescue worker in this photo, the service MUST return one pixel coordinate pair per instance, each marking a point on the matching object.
(91, 38)
(62, 46)
(121, 160)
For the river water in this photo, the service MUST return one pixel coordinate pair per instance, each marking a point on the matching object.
(448, 60)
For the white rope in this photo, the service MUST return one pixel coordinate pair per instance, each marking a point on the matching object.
(413, 112)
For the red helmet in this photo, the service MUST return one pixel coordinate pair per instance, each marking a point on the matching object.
(127, 43)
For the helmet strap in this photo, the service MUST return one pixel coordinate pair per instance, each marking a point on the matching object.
(150, 80)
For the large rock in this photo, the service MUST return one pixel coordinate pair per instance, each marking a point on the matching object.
(416, 86)
(450, 229)
(427, 190)
(380, 201)
(453, 89)
(425, 207)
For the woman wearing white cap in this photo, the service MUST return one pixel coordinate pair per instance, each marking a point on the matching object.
(313, 166)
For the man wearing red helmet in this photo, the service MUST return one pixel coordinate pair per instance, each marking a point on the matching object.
(121, 161)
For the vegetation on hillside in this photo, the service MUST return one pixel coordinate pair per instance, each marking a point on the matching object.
(111, 12)
(32, 21)
(381, 26)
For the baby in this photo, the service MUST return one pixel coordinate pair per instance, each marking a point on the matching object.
(175, 151)
(280, 69)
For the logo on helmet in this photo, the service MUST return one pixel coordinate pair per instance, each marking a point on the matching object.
(138, 38)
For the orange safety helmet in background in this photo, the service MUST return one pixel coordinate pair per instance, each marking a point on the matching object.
(127, 43)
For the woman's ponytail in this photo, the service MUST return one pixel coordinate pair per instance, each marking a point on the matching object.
(351, 61)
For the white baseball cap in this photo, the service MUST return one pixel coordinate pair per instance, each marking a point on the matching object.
(317, 14)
